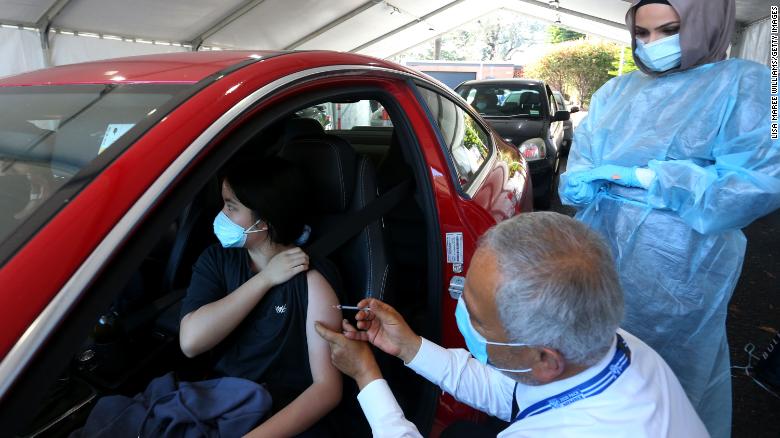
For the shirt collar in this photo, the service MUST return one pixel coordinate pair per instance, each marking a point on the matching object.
(527, 395)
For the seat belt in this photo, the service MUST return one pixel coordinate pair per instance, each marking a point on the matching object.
(351, 224)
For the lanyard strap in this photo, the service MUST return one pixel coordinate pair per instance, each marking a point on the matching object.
(596, 385)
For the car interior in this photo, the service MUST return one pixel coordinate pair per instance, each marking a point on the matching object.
(356, 153)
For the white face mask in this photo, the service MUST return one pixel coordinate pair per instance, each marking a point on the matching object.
(230, 234)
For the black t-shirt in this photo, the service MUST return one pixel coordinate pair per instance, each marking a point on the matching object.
(269, 346)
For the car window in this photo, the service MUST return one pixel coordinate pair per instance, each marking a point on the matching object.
(552, 103)
(510, 99)
(559, 101)
(467, 142)
(342, 116)
(49, 133)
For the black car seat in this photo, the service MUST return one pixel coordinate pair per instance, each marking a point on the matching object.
(405, 224)
(530, 101)
(193, 235)
(343, 182)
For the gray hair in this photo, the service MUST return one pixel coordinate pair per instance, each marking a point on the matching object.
(558, 286)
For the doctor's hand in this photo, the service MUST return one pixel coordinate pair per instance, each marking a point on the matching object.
(386, 329)
(353, 358)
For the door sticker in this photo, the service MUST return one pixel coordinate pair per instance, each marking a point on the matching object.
(455, 248)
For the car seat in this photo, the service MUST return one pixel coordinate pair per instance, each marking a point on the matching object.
(343, 182)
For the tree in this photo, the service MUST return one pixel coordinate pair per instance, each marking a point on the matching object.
(552, 69)
(628, 63)
(559, 34)
(502, 34)
(582, 65)
(589, 66)
(494, 37)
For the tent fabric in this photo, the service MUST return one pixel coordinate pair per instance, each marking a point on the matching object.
(753, 43)
(20, 51)
(380, 28)
(70, 49)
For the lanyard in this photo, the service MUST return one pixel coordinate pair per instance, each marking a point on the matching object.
(596, 385)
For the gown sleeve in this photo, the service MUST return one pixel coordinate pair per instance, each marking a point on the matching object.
(743, 183)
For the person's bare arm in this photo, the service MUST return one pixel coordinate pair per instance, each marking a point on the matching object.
(204, 328)
(325, 392)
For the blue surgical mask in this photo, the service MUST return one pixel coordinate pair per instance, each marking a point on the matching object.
(481, 106)
(660, 55)
(475, 342)
(229, 233)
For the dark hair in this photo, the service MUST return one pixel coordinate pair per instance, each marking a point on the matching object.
(276, 192)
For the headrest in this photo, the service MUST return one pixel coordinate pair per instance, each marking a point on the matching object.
(301, 127)
(530, 98)
(329, 164)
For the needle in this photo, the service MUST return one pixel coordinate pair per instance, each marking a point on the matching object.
(341, 307)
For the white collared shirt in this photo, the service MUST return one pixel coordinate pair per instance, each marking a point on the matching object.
(645, 401)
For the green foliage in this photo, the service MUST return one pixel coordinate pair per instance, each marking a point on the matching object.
(628, 63)
(471, 138)
(582, 65)
(559, 34)
(510, 161)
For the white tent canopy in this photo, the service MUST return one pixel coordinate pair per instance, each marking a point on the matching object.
(83, 30)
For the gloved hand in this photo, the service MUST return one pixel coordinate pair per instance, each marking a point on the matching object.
(624, 176)
(579, 190)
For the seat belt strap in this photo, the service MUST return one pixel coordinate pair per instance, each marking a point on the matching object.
(351, 224)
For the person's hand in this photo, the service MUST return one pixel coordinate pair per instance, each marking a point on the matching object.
(353, 358)
(624, 176)
(579, 189)
(386, 329)
(285, 266)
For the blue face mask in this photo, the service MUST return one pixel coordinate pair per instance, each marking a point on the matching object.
(229, 233)
(477, 344)
(661, 55)
(481, 105)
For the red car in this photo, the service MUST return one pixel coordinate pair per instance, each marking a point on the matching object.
(108, 186)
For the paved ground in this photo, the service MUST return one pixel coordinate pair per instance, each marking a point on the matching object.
(753, 318)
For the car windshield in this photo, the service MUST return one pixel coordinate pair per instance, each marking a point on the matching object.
(508, 100)
(49, 133)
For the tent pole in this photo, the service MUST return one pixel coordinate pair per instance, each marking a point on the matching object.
(44, 24)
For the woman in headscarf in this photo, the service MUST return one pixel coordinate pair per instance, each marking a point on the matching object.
(670, 164)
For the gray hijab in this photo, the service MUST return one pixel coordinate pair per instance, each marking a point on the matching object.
(706, 28)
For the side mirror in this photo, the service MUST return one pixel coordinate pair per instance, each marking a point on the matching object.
(574, 109)
(561, 116)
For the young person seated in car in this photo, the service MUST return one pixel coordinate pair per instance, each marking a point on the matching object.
(253, 299)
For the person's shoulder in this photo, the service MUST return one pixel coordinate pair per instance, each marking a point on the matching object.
(742, 65)
(217, 258)
(648, 366)
(744, 72)
(322, 269)
(619, 82)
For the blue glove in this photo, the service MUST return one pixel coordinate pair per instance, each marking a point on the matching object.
(624, 176)
(580, 190)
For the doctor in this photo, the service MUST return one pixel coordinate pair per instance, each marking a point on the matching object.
(671, 162)
(539, 314)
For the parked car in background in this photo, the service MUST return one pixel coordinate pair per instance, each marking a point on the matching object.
(568, 125)
(109, 187)
(525, 113)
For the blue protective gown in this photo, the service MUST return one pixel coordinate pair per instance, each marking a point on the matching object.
(678, 244)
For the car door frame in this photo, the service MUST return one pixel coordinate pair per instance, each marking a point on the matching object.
(20, 368)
